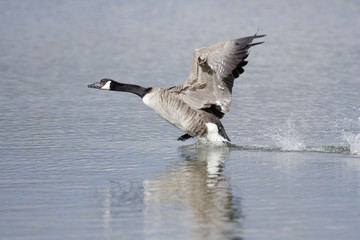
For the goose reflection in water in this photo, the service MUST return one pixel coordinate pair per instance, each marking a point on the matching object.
(194, 195)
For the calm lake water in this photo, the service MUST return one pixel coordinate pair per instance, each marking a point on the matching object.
(76, 163)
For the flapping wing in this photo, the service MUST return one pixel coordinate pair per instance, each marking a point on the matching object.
(214, 69)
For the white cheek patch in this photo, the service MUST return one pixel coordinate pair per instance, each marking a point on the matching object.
(106, 86)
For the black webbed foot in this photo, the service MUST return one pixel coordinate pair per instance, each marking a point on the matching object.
(184, 137)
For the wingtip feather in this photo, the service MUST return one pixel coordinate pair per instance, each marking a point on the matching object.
(259, 36)
(254, 44)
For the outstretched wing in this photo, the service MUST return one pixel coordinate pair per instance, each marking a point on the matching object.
(209, 86)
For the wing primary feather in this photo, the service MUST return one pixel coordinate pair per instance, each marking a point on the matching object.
(209, 85)
(254, 44)
(243, 63)
(259, 36)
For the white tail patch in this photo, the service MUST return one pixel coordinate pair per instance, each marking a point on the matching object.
(213, 135)
(106, 86)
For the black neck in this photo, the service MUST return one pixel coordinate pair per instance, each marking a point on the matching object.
(123, 87)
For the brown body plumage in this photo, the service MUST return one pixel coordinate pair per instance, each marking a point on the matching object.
(197, 106)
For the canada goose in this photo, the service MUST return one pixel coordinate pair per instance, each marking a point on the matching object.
(197, 106)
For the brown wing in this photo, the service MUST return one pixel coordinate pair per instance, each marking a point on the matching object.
(214, 69)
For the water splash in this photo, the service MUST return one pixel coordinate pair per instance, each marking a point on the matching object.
(353, 140)
(288, 137)
(319, 149)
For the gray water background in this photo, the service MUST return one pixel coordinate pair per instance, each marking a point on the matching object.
(76, 163)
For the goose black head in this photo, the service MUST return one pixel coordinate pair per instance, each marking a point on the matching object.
(103, 84)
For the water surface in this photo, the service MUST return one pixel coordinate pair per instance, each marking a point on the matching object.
(76, 163)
